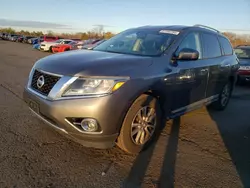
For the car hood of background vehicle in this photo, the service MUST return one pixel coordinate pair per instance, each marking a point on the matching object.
(92, 63)
(49, 43)
(245, 62)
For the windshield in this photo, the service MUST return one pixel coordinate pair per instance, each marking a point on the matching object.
(242, 53)
(72, 43)
(138, 42)
(58, 41)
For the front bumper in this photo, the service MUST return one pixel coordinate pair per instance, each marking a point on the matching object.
(54, 113)
(55, 50)
(44, 48)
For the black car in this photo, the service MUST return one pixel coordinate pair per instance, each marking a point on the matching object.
(26, 38)
(243, 54)
(119, 92)
(1, 35)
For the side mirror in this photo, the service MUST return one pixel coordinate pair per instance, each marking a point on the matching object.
(187, 54)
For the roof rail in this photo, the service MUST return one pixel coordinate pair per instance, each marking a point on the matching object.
(242, 45)
(206, 27)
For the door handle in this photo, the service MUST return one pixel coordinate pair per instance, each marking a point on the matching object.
(226, 65)
(204, 70)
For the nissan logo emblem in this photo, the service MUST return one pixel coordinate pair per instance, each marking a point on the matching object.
(40, 82)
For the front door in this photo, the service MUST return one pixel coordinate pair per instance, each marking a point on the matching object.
(191, 77)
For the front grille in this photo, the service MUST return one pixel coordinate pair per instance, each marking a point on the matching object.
(49, 82)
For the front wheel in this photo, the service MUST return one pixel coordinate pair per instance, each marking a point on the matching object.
(50, 49)
(140, 125)
(224, 97)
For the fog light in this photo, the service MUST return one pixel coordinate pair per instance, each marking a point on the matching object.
(89, 125)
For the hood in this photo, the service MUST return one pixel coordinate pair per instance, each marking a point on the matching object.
(244, 62)
(50, 43)
(92, 63)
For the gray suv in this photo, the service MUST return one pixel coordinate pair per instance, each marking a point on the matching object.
(119, 92)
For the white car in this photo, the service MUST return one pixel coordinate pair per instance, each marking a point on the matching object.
(47, 46)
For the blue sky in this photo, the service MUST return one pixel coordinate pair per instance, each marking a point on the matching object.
(81, 15)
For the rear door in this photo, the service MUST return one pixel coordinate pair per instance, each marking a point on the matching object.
(192, 77)
(219, 66)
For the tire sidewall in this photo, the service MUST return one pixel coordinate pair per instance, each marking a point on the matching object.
(125, 134)
(229, 84)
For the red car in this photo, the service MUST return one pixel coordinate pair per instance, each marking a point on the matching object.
(243, 54)
(49, 38)
(64, 47)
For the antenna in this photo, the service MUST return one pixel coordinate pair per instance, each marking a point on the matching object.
(207, 27)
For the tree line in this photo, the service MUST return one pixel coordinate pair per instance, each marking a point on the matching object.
(79, 35)
(235, 39)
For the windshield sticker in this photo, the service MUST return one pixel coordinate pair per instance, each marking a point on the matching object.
(170, 32)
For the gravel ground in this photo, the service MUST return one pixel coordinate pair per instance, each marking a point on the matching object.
(201, 149)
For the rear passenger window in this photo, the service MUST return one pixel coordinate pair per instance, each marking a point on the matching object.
(211, 46)
(226, 46)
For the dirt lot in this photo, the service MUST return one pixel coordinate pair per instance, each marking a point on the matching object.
(201, 149)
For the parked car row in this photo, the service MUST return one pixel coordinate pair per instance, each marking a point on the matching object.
(52, 43)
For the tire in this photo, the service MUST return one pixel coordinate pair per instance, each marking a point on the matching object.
(50, 49)
(224, 97)
(67, 49)
(125, 140)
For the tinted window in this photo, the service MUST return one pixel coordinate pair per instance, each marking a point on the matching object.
(67, 41)
(211, 46)
(226, 46)
(191, 41)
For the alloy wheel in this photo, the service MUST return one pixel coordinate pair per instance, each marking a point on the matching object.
(143, 125)
(225, 95)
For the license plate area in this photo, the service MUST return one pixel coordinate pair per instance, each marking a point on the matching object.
(34, 106)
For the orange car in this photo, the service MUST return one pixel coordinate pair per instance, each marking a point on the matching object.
(64, 47)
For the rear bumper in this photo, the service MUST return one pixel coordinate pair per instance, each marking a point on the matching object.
(244, 75)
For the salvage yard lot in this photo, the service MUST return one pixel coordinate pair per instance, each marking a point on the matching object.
(201, 149)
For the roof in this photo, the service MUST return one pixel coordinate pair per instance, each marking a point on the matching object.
(181, 27)
(166, 27)
(243, 46)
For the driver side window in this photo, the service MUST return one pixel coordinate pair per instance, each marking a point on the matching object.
(191, 41)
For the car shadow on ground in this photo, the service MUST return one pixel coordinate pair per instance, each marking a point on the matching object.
(236, 134)
(235, 137)
(140, 165)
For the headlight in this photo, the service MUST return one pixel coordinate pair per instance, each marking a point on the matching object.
(83, 87)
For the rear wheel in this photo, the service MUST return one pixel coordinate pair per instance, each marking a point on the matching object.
(67, 49)
(140, 125)
(224, 97)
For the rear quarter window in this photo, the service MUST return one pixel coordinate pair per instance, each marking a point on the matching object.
(211, 46)
(226, 46)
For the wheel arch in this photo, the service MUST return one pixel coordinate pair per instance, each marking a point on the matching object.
(145, 91)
